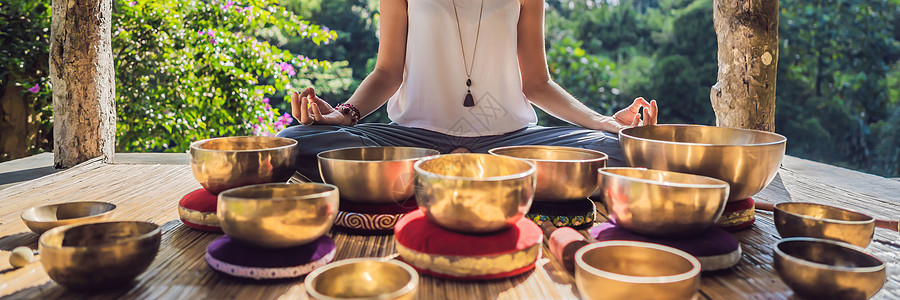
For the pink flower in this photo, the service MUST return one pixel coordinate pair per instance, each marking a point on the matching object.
(132, 3)
(35, 89)
(260, 119)
(287, 68)
(248, 9)
(213, 41)
(201, 32)
(265, 100)
(211, 33)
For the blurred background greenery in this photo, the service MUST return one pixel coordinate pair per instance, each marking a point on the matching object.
(837, 91)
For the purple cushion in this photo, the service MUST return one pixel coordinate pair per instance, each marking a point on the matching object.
(716, 248)
(236, 259)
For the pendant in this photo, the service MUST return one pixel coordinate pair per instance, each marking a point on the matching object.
(469, 101)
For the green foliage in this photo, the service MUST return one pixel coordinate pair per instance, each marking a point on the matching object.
(189, 70)
(25, 36)
(837, 82)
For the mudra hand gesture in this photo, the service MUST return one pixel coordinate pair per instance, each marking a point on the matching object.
(309, 109)
(631, 115)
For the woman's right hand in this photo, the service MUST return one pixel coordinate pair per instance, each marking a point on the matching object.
(309, 109)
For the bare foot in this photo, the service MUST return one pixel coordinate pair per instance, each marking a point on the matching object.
(460, 150)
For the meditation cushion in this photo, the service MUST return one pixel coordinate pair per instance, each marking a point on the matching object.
(239, 260)
(371, 219)
(577, 214)
(738, 215)
(438, 252)
(716, 249)
(197, 210)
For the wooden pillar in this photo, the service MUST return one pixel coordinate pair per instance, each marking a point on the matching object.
(747, 34)
(81, 71)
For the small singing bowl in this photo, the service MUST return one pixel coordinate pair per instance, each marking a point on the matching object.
(277, 215)
(746, 159)
(363, 278)
(474, 193)
(662, 203)
(373, 175)
(635, 270)
(799, 219)
(825, 269)
(229, 162)
(42, 218)
(99, 255)
(562, 173)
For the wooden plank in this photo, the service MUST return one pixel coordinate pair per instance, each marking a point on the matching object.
(151, 192)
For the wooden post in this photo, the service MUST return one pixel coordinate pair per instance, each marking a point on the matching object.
(747, 34)
(81, 71)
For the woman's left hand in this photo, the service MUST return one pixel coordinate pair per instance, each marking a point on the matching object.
(631, 115)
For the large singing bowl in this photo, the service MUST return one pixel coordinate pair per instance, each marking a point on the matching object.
(372, 175)
(229, 162)
(746, 159)
(277, 215)
(562, 173)
(474, 193)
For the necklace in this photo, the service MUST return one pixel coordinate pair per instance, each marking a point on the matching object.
(469, 101)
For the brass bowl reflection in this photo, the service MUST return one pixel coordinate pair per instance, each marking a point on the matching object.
(824, 269)
(363, 278)
(43, 218)
(372, 174)
(662, 203)
(562, 173)
(474, 193)
(99, 255)
(277, 215)
(630, 270)
(229, 162)
(798, 219)
(746, 159)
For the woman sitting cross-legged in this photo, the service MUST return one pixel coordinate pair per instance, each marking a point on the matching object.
(458, 75)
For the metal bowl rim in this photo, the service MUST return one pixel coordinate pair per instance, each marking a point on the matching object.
(334, 189)
(782, 140)
(410, 286)
(693, 272)
(156, 231)
(22, 215)
(603, 156)
(195, 146)
(526, 173)
(808, 263)
(319, 155)
(719, 185)
(835, 221)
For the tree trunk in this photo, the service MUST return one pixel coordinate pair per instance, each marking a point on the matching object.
(747, 34)
(81, 71)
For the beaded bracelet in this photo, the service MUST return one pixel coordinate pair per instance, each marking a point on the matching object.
(351, 111)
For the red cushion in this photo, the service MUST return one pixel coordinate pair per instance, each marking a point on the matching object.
(738, 215)
(430, 249)
(197, 210)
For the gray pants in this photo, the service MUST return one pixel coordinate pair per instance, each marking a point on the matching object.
(314, 139)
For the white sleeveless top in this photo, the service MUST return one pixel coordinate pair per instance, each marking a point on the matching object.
(434, 77)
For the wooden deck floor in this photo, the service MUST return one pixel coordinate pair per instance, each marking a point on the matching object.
(150, 191)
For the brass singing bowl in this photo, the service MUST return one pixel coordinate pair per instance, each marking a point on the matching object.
(562, 173)
(99, 255)
(373, 175)
(474, 193)
(277, 215)
(229, 162)
(363, 278)
(825, 269)
(799, 219)
(42, 218)
(635, 270)
(746, 159)
(662, 203)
